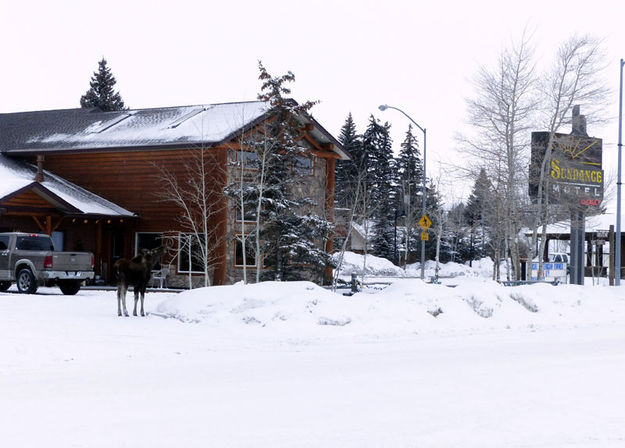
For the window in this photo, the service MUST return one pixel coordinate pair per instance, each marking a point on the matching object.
(38, 243)
(249, 159)
(148, 240)
(250, 253)
(304, 165)
(250, 212)
(58, 239)
(190, 260)
(4, 242)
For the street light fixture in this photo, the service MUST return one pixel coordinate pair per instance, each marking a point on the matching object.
(383, 107)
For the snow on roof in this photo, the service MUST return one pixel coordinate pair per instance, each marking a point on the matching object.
(85, 129)
(15, 175)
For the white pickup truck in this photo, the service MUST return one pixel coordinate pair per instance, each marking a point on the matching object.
(30, 260)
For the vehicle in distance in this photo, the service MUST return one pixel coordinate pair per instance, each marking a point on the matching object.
(30, 261)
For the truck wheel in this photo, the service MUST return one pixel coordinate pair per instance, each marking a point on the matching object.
(4, 285)
(26, 282)
(69, 287)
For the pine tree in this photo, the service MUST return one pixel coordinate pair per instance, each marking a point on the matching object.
(409, 162)
(292, 233)
(433, 208)
(101, 93)
(409, 168)
(347, 170)
(475, 214)
(377, 157)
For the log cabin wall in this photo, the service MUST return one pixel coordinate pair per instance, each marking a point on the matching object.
(134, 180)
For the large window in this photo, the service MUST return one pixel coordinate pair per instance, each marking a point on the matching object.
(148, 240)
(190, 255)
(250, 253)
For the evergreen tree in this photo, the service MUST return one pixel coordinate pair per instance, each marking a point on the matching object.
(409, 169)
(476, 216)
(378, 158)
(292, 233)
(347, 170)
(456, 242)
(101, 93)
(409, 164)
(433, 208)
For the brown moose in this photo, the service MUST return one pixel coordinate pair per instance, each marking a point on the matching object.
(135, 272)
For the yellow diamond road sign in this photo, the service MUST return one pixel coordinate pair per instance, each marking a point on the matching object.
(425, 222)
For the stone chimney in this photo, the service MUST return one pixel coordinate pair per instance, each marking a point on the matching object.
(578, 123)
(39, 175)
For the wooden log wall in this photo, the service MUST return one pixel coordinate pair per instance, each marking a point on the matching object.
(134, 180)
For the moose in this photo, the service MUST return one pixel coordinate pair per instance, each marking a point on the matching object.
(136, 272)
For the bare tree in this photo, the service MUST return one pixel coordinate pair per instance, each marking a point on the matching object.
(501, 114)
(352, 194)
(197, 190)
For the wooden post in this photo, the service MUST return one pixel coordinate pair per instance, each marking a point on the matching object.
(612, 254)
(329, 206)
(98, 249)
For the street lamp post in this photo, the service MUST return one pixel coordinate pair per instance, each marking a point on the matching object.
(383, 107)
(617, 249)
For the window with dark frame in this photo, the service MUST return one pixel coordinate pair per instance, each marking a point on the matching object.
(149, 240)
(196, 259)
(248, 159)
(304, 165)
(250, 253)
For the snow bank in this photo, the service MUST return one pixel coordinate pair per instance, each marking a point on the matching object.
(353, 263)
(406, 306)
(278, 305)
(370, 265)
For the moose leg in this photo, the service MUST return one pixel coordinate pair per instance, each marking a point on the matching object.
(137, 289)
(121, 300)
(142, 299)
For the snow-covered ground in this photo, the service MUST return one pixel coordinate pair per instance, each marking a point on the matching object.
(467, 363)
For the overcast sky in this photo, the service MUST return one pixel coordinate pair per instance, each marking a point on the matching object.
(350, 55)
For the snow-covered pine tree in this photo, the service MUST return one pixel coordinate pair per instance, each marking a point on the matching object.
(378, 156)
(293, 235)
(101, 93)
(347, 170)
(410, 171)
(476, 214)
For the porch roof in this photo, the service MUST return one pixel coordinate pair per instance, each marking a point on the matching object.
(17, 177)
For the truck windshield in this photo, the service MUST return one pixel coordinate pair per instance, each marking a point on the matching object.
(34, 243)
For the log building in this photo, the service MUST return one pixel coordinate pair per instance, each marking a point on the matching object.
(95, 180)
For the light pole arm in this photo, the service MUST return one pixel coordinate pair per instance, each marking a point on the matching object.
(386, 106)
